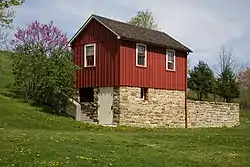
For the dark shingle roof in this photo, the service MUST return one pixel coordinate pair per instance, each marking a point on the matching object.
(131, 32)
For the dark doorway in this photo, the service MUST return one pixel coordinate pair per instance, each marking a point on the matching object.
(86, 94)
(144, 93)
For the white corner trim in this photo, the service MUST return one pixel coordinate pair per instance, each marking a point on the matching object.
(85, 25)
(167, 60)
(136, 55)
(85, 60)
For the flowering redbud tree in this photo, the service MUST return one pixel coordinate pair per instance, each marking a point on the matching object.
(42, 65)
(244, 81)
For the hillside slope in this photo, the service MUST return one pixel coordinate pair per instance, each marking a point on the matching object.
(30, 137)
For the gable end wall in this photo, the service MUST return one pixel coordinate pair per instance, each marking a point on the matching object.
(107, 57)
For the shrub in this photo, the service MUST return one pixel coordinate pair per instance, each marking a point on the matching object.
(42, 65)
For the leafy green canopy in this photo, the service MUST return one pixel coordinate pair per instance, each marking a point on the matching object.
(42, 65)
(144, 19)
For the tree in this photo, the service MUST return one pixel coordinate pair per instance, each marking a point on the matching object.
(225, 60)
(244, 81)
(144, 19)
(201, 79)
(6, 13)
(6, 17)
(3, 37)
(228, 87)
(42, 65)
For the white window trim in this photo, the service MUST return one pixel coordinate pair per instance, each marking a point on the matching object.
(85, 58)
(137, 44)
(168, 61)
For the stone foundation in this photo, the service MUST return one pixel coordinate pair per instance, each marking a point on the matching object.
(116, 105)
(211, 114)
(164, 108)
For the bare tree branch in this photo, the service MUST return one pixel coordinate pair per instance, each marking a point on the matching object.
(225, 60)
(3, 38)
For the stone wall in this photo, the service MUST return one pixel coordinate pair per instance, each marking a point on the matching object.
(116, 105)
(164, 108)
(211, 114)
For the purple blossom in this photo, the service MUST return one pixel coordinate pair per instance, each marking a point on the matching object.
(46, 36)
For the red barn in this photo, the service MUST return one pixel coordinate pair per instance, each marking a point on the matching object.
(130, 75)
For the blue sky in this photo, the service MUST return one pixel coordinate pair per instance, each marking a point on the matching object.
(202, 25)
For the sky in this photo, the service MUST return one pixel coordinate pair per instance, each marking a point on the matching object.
(203, 26)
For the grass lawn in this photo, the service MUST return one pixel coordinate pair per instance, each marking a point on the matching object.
(29, 137)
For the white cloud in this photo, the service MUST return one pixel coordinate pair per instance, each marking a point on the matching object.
(202, 25)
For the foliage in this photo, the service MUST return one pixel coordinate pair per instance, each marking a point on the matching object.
(144, 19)
(244, 81)
(201, 79)
(42, 65)
(6, 17)
(7, 14)
(228, 87)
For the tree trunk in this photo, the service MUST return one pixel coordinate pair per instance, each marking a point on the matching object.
(214, 97)
(200, 96)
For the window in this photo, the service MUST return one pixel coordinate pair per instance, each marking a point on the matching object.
(144, 93)
(170, 60)
(89, 55)
(141, 55)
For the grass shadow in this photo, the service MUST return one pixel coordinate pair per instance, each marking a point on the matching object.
(49, 110)
(11, 92)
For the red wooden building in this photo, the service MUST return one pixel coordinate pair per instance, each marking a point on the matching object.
(113, 54)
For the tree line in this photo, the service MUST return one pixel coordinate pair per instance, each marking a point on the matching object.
(225, 85)
(44, 72)
(228, 85)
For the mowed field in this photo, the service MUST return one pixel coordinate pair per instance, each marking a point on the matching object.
(30, 137)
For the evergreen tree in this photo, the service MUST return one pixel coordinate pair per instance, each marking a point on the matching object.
(228, 87)
(201, 79)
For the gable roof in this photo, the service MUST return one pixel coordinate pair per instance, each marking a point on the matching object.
(134, 33)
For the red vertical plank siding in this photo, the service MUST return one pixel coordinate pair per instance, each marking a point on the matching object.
(155, 74)
(116, 63)
(106, 55)
(78, 62)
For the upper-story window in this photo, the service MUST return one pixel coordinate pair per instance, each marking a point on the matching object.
(141, 55)
(170, 60)
(89, 55)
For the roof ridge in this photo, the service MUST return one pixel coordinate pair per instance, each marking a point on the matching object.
(122, 22)
(128, 23)
(125, 30)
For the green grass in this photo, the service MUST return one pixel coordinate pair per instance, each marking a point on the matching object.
(29, 137)
(5, 70)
